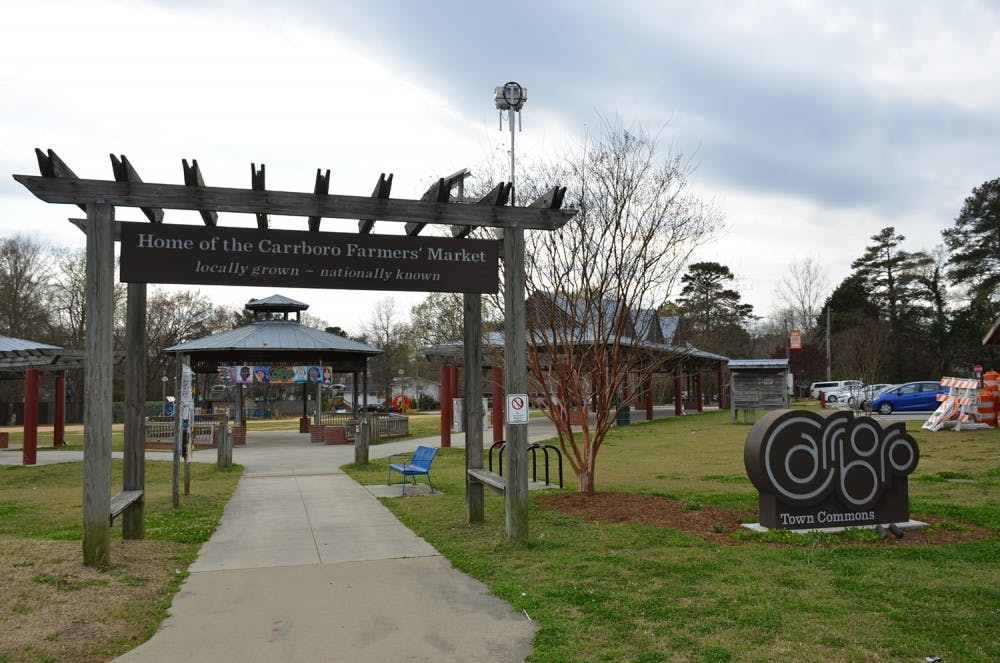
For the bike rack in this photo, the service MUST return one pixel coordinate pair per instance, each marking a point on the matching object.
(533, 448)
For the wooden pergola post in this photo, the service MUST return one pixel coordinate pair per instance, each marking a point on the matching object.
(98, 382)
(134, 459)
(515, 382)
(473, 314)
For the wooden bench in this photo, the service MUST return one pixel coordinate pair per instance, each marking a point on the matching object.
(122, 500)
(419, 463)
(487, 478)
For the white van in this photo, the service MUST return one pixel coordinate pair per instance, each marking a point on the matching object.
(831, 386)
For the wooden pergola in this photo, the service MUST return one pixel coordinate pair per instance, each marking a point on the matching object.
(57, 183)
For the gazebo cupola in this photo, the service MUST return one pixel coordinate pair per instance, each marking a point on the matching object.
(275, 307)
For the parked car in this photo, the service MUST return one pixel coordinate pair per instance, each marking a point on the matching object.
(842, 395)
(373, 407)
(831, 386)
(909, 397)
(863, 401)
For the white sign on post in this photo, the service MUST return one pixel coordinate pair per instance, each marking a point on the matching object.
(517, 408)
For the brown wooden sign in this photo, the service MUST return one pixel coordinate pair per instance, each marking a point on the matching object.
(815, 471)
(161, 253)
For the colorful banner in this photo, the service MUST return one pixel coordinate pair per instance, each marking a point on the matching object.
(275, 374)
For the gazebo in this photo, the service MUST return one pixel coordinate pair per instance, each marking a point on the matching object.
(22, 359)
(276, 337)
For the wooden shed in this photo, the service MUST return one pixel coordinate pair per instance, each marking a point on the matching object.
(758, 384)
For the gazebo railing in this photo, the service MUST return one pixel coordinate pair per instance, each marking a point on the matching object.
(386, 424)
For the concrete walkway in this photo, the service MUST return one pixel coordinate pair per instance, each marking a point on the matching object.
(307, 565)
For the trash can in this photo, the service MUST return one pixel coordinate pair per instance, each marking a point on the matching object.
(624, 417)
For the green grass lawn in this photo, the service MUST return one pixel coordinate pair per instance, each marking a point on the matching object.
(54, 609)
(631, 592)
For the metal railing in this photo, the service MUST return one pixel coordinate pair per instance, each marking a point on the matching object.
(532, 449)
(386, 424)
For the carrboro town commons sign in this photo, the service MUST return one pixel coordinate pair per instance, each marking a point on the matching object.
(838, 470)
(249, 256)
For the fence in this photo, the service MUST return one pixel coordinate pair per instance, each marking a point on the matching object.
(386, 424)
(160, 431)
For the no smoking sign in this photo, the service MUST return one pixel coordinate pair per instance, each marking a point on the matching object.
(517, 408)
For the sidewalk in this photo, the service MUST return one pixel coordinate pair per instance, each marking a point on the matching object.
(306, 565)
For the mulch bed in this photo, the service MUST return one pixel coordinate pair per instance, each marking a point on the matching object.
(705, 521)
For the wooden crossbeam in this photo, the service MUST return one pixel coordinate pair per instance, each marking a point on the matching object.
(382, 189)
(257, 184)
(288, 203)
(498, 196)
(322, 188)
(439, 192)
(124, 172)
(552, 199)
(50, 165)
(193, 178)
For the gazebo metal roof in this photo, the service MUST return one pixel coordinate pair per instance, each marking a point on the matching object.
(18, 354)
(275, 335)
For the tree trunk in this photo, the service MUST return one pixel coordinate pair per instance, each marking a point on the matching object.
(585, 480)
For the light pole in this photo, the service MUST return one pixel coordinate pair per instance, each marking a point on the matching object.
(510, 97)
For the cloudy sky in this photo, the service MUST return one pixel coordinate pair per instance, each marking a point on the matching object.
(812, 124)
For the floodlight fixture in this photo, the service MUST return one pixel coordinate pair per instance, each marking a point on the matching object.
(510, 97)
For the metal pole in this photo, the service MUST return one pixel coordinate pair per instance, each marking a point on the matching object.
(829, 373)
(513, 189)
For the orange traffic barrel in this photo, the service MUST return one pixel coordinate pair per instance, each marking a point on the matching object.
(986, 411)
(991, 381)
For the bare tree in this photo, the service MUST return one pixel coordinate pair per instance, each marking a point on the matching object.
(802, 291)
(176, 317)
(388, 333)
(593, 285)
(25, 283)
(861, 350)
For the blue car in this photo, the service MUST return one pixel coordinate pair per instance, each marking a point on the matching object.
(909, 397)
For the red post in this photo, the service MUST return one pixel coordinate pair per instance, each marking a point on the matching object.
(446, 405)
(649, 398)
(498, 404)
(59, 420)
(29, 453)
(698, 388)
(453, 394)
(678, 406)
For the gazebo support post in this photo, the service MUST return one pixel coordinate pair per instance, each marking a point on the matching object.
(134, 459)
(473, 313)
(498, 404)
(678, 400)
(699, 386)
(515, 382)
(29, 450)
(98, 381)
(59, 417)
(446, 411)
(649, 398)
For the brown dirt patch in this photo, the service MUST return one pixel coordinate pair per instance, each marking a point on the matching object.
(55, 608)
(714, 523)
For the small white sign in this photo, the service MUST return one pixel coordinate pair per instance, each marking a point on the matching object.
(517, 408)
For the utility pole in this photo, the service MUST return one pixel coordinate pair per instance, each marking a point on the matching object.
(829, 372)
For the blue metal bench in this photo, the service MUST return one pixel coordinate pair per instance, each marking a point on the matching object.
(418, 463)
